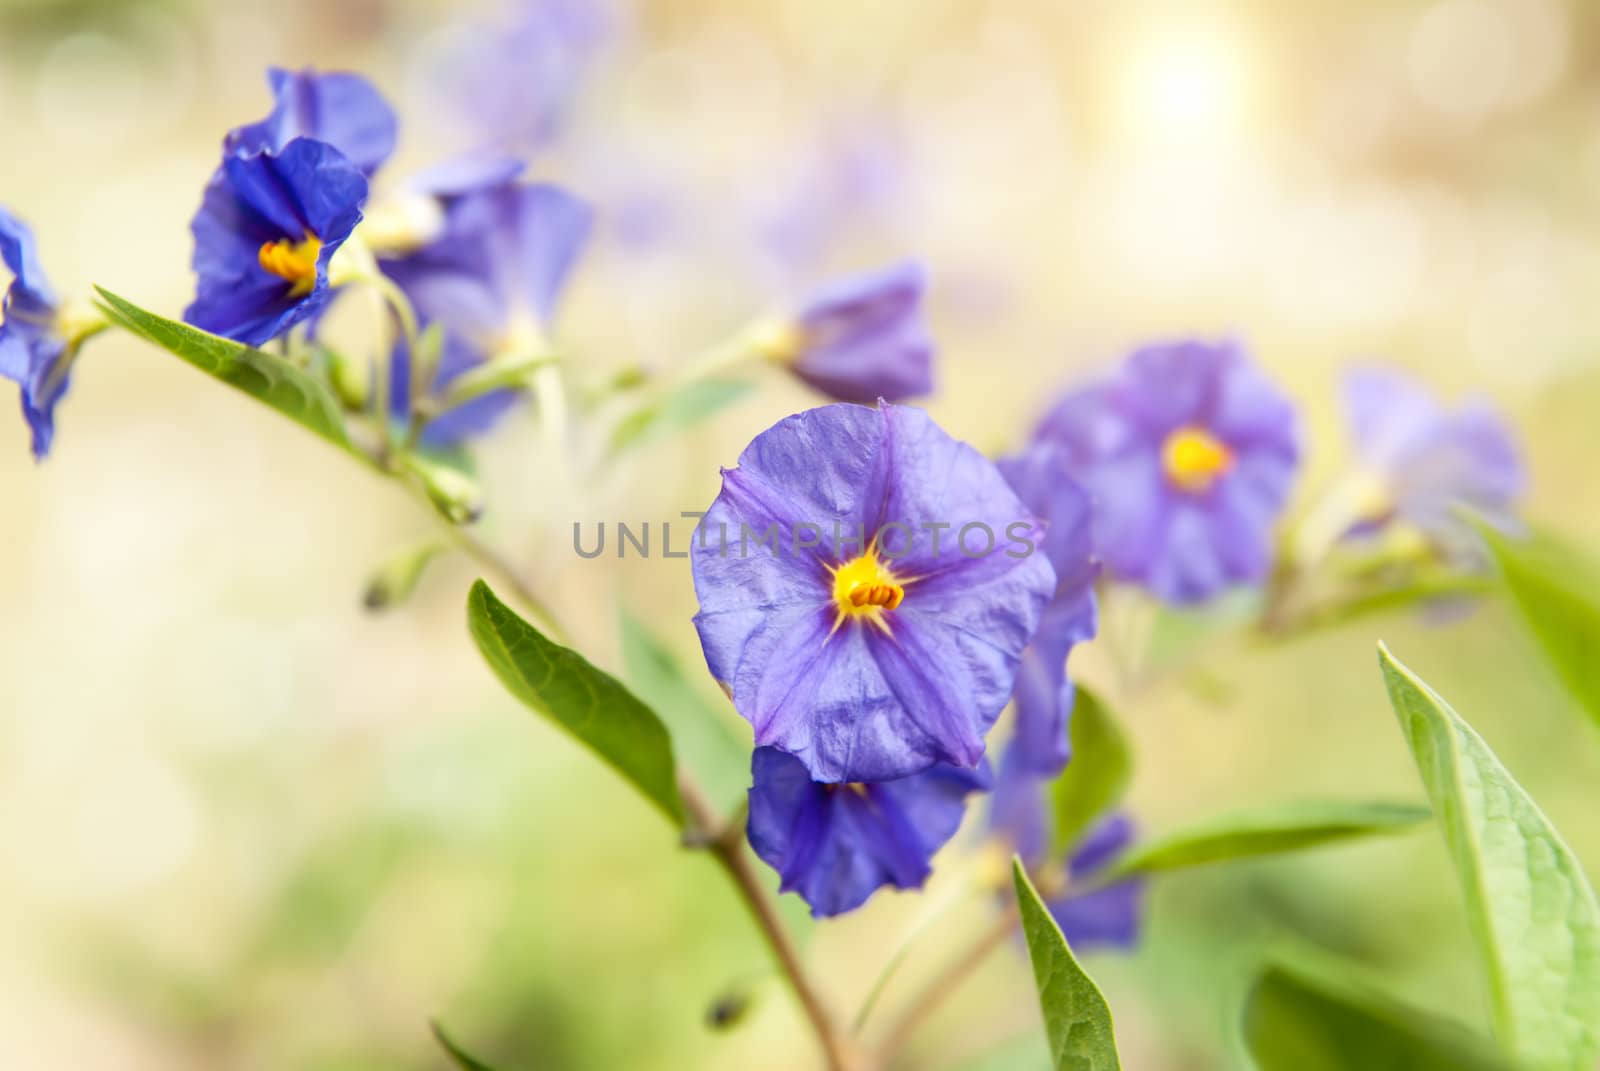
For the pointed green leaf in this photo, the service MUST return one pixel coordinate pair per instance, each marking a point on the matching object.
(1077, 1020)
(1097, 776)
(588, 703)
(1530, 908)
(458, 1056)
(1285, 827)
(713, 744)
(266, 378)
(1558, 592)
(1298, 1018)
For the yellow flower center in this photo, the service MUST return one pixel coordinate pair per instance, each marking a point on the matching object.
(864, 588)
(294, 261)
(1193, 459)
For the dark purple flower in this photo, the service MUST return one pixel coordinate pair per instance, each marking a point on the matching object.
(268, 226)
(860, 339)
(1043, 693)
(39, 338)
(837, 844)
(1188, 451)
(342, 109)
(878, 629)
(1419, 461)
(492, 279)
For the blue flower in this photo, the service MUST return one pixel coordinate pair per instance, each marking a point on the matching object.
(39, 338)
(267, 228)
(837, 844)
(1043, 693)
(492, 280)
(342, 109)
(1420, 461)
(878, 630)
(860, 339)
(1188, 451)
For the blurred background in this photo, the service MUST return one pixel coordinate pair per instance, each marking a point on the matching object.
(247, 825)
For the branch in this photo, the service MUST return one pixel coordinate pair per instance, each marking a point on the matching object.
(724, 840)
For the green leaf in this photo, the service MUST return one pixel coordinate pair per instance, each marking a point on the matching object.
(1298, 1018)
(266, 378)
(1530, 908)
(1076, 1018)
(458, 1056)
(683, 408)
(715, 745)
(1558, 592)
(1284, 827)
(587, 702)
(1097, 776)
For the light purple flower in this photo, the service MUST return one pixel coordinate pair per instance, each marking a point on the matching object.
(865, 639)
(1189, 452)
(1420, 461)
(1043, 693)
(861, 338)
(837, 844)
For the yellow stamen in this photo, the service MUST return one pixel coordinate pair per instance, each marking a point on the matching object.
(865, 587)
(1194, 459)
(294, 261)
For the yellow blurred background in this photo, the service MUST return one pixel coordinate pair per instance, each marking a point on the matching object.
(249, 826)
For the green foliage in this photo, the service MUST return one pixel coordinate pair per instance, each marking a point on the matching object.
(1531, 910)
(706, 740)
(680, 410)
(266, 378)
(588, 703)
(1284, 827)
(1301, 1018)
(1097, 776)
(458, 1055)
(1558, 592)
(1077, 1020)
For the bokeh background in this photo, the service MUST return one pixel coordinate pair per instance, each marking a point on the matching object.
(247, 825)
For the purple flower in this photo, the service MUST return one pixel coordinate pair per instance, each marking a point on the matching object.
(1419, 461)
(1043, 693)
(513, 83)
(492, 279)
(1188, 451)
(878, 629)
(860, 339)
(837, 844)
(39, 338)
(1107, 916)
(267, 228)
(342, 109)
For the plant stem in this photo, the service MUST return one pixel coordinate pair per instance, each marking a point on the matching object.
(725, 842)
(945, 983)
(496, 563)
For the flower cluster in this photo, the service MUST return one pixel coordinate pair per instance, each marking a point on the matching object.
(873, 669)
(879, 593)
